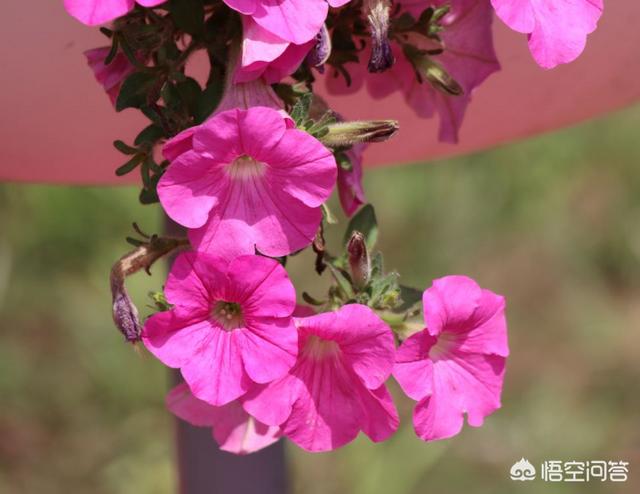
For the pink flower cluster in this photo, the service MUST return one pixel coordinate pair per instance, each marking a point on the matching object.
(256, 368)
(278, 36)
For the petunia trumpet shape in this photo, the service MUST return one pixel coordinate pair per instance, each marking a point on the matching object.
(109, 76)
(468, 57)
(233, 429)
(336, 388)
(96, 12)
(277, 36)
(230, 327)
(557, 29)
(266, 56)
(245, 180)
(456, 365)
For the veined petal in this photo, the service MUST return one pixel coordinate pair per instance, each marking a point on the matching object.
(215, 372)
(190, 187)
(269, 348)
(463, 384)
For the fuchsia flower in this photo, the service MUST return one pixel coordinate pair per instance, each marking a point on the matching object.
(277, 36)
(109, 76)
(245, 180)
(336, 388)
(557, 29)
(456, 365)
(469, 57)
(230, 326)
(96, 12)
(233, 429)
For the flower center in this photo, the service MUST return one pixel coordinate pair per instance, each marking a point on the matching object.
(228, 314)
(317, 348)
(445, 342)
(245, 167)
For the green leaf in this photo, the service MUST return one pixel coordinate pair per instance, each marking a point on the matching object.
(383, 289)
(188, 15)
(300, 111)
(190, 92)
(135, 90)
(124, 148)
(171, 97)
(130, 165)
(364, 222)
(343, 281)
(208, 100)
(310, 300)
(150, 134)
(410, 298)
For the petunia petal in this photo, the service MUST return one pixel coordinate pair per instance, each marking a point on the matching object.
(463, 384)
(190, 187)
(269, 348)
(413, 369)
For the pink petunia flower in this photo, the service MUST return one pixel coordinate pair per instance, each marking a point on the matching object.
(230, 326)
(96, 12)
(277, 36)
(336, 388)
(109, 76)
(456, 365)
(244, 179)
(265, 55)
(233, 429)
(350, 190)
(295, 21)
(557, 29)
(469, 57)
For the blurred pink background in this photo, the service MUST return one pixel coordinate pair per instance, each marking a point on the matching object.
(58, 125)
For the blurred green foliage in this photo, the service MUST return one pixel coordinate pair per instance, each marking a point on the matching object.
(552, 223)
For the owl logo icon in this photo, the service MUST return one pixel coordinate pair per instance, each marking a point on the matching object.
(522, 470)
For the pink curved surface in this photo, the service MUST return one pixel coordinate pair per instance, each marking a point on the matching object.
(58, 125)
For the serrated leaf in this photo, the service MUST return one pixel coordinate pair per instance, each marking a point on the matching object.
(366, 223)
(135, 90)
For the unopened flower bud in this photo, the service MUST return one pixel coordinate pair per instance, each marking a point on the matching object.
(125, 314)
(322, 49)
(439, 77)
(346, 134)
(359, 263)
(378, 15)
